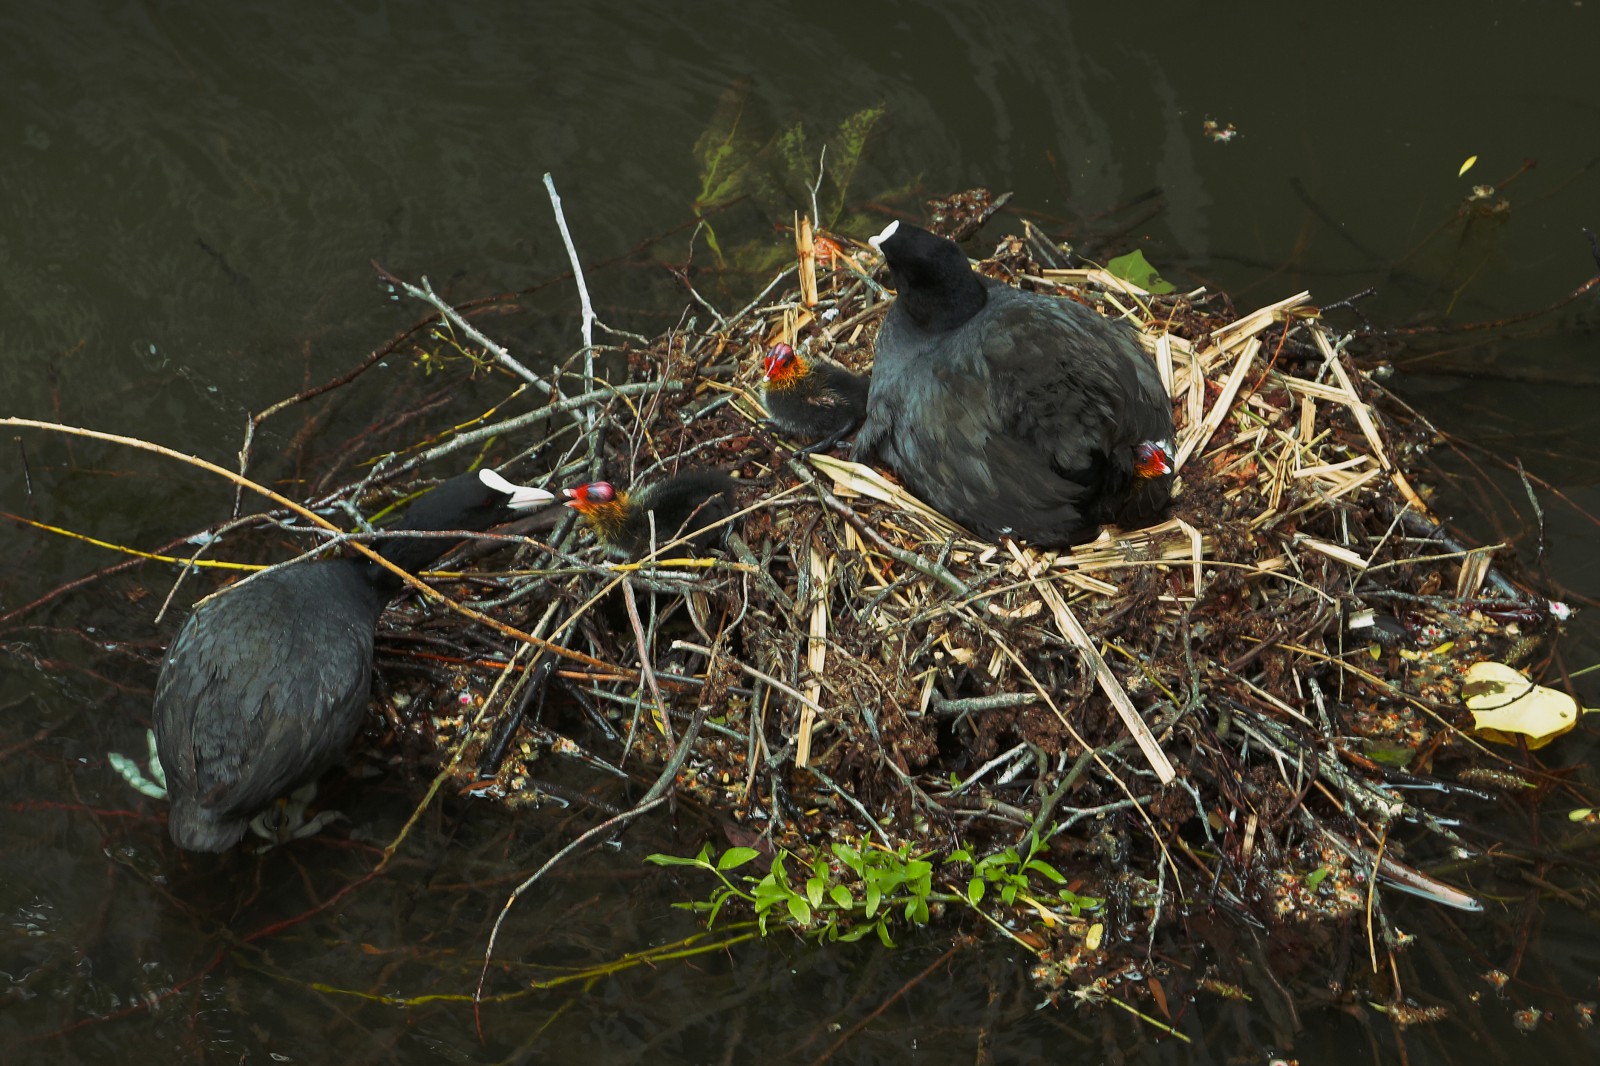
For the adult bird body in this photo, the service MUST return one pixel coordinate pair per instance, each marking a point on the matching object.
(266, 683)
(1014, 413)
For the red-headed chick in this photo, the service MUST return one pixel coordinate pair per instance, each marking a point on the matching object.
(622, 522)
(813, 399)
(1152, 459)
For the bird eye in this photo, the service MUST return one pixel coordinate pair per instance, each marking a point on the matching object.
(601, 491)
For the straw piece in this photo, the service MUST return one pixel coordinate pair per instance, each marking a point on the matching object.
(1352, 399)
(816, 653)
(1333, 551)
(1219, 410)
(1164, 361)
(855, 479)
(1256, 321)
(806, 246)
(1073, 630)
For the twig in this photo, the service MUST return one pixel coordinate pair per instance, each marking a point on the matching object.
(868, 532)
(861, 810)
(583, 293)
(663, 720)
(503, 357)
(1538, 512)
(505, 909)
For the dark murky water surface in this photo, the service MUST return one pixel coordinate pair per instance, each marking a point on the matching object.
(192, 195)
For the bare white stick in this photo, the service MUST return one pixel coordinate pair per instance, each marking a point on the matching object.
(822, 162)
(583, 291)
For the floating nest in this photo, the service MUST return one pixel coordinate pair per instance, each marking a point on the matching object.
(1209, 711)
(1207, 715)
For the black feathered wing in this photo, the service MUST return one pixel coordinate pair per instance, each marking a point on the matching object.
(1021, 421)
(1074, 395)
(262, 688)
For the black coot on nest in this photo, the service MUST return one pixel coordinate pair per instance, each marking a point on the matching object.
(267, 682)
(682, 504)
(1013, 413)
(812, 399)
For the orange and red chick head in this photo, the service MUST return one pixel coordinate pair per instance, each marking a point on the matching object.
(1152, 459)
(783, 366)
(601, 504)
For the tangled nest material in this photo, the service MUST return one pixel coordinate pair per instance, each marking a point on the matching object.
(1206, 712)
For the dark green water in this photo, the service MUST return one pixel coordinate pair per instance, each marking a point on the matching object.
(193, 194)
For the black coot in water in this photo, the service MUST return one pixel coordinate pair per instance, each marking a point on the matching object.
(1013, 413)
(678, 505)
(812, 399)
(266, 683)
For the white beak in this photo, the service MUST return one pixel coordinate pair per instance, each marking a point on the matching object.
(888, 231)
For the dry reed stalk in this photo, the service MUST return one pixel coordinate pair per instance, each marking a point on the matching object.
(816, 651)
(806, 246)
(1196, 439)
(1073, 630)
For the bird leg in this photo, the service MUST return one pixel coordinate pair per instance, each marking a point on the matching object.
(831, 439)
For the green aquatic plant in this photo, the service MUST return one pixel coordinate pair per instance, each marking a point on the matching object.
(794, 169)
(1008, 873)
(852, 891)
(860, 892)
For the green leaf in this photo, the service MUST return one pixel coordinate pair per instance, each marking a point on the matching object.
(768, 892)
(874, 897)
(734, 858)
(841, 897)
(676, 860)
(883, 934)
(1039, 866)
(1316, 877)
(799, 910)
(815, 886)
(976, 888)
(1136, 268)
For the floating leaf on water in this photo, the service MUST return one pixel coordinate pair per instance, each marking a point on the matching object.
(1471, 159)
(1136, 268)
(1507, 707)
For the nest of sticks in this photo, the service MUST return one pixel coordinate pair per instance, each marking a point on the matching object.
(1208, 711)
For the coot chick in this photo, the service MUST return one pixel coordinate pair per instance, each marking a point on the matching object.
(813, 399)
(266, 683)
(1014, 413)
(682, 504)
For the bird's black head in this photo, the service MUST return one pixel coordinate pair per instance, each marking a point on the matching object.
(472, 501)
(934, 282)
(467, 502)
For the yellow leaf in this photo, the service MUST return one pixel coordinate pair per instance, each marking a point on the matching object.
(1471, 159)
(1096, 933)
(1505, 705)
